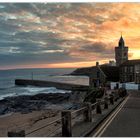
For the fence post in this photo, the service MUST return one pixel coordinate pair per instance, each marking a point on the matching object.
(111, 99)
(98, 107)
(88, 113)
(66, 124)
(116, 99)
(20, 133)
(105, 103)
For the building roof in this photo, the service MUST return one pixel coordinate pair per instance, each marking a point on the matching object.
(121, 42)
(111, 72)
(131, 62)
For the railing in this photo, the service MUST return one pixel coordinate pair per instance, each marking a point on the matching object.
(21, 133)
(64, 128)
(47, 125)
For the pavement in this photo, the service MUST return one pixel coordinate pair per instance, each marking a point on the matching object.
(83, 129)
(127, 122)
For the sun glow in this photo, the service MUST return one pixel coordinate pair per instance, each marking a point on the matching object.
(66, 35)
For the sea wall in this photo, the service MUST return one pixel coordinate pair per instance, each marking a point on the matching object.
(58, 85)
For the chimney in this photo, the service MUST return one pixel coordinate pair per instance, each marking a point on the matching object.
(97, 63)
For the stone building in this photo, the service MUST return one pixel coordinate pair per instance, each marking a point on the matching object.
(98, 77)
(99, 74)
(121, 52)
(124, 71)
(130, 71)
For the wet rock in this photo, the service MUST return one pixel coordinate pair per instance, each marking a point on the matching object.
(3, 109)
(28, 103)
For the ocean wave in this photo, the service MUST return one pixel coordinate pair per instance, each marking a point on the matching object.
(30, 89)
(5, 88)
(7, 95)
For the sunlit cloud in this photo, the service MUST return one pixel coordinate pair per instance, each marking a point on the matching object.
(66, 35)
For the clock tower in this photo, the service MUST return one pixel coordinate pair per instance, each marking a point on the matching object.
(121, 52)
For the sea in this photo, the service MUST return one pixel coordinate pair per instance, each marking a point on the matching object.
(8, 87)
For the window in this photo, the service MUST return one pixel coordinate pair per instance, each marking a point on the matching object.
(131, 69)
(125, 54)
(137, 68)
(131, 78)
(125, 69)
(126, 79)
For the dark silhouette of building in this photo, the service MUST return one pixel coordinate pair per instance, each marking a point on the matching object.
(130, 71)
(99, 74)
(121, 52)
(97, 77)
(124, 71)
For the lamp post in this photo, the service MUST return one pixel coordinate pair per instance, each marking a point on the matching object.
(32, 75)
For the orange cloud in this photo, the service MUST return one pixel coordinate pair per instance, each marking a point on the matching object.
(71, 32)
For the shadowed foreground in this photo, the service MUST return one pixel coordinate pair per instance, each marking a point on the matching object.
(126, 123)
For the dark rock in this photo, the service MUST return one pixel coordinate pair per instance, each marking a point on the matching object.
(3, 109)
(28, 103)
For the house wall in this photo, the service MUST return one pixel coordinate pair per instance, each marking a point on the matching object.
(130, 73)
(97, 78)
(127, 74)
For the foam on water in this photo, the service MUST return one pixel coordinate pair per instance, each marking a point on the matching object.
(34, 90)
(8, 88)
(7, 95)
(30, 90)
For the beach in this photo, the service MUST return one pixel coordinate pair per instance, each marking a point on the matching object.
(31, 112)
(30, 107)
(27, 122)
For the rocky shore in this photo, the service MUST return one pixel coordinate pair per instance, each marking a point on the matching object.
(27, 103)
(30, 112)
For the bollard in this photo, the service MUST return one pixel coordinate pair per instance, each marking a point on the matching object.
(66, 124)
(105, 103)
(116, 99)
(111, 99)
(98, 107)
(20, 133)
(88, 113)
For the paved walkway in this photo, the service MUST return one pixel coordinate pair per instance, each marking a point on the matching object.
(82, 128)
(127, 121)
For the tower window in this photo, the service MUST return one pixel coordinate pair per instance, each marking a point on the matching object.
(125, 54)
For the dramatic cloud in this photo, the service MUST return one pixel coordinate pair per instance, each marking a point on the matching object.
(65, 34)
(91, 51)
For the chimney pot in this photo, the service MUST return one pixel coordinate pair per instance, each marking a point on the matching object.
(97, 63)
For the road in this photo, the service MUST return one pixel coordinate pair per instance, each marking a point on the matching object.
(125, 121)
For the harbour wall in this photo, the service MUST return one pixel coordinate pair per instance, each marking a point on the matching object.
(58, 85)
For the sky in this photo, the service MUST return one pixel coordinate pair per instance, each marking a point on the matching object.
(66, 35)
